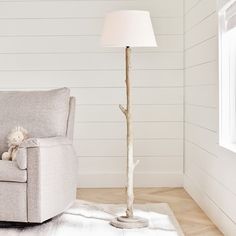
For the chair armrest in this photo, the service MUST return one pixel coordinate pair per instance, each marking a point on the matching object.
(52, 176)
(21, 157)
(45, 142)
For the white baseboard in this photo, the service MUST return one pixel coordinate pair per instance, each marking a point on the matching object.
(116, 180)
(217, 215)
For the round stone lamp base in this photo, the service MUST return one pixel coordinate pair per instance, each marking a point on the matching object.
(124, 222)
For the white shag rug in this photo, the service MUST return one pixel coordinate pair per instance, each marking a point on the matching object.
(92, 219)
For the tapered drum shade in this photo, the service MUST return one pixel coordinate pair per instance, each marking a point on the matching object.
(128, 28)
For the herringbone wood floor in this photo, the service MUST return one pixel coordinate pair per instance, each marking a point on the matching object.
(191, 218)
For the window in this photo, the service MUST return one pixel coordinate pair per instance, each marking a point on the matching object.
(227, 74)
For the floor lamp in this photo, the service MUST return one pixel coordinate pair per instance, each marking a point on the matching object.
(126, 29)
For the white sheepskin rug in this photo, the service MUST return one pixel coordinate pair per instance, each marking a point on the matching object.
(92, 219)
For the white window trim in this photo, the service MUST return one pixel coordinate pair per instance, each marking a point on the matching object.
(226, 136)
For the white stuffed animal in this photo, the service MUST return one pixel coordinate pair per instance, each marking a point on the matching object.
(15, 138)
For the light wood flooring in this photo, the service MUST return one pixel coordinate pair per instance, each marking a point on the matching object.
(192, 219)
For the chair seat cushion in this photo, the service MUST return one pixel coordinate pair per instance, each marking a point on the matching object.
(10, 172)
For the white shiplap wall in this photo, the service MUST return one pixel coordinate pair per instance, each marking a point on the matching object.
(48, 44)
(210, 175)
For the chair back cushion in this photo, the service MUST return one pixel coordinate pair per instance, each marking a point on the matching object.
(42, 113)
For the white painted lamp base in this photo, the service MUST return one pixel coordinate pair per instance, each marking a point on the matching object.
(124, 222)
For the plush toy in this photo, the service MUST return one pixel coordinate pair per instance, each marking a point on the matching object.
(15, 138)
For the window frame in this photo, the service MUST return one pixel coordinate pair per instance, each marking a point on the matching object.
(227, 92)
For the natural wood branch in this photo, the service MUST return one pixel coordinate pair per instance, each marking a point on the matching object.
(130, 158)
(123, 110)
(129, 221)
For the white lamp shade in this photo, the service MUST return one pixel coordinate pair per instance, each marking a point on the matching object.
(128, 28)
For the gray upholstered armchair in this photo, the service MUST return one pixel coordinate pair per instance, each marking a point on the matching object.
(42, 182)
